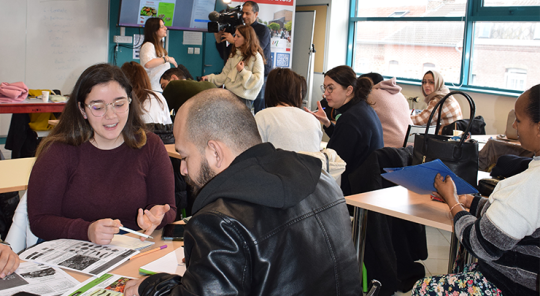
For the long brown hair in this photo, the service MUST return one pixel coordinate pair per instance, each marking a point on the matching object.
(74, 130)
(150, 35)
(140, 82)
(251, 43)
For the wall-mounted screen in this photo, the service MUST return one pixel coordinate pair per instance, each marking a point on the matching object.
(186, 15)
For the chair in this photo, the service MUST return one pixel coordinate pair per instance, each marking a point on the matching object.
(413, 130)
(392, 245)
(20, 236)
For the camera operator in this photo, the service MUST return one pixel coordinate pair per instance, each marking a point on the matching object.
(250, 12)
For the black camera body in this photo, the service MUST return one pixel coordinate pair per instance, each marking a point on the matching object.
(226, 20)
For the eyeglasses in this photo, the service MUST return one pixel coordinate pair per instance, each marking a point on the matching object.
(329, 88)
(99, 109)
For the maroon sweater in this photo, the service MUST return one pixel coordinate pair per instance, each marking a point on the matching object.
(70, 187)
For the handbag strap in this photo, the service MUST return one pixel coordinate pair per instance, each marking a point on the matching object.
(439, 106)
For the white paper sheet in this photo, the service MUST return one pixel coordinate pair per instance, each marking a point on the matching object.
(81, 256)
(170, 263)
(38, 279)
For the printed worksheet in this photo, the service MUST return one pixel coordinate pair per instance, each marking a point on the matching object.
(37, 279)
(81, 256)
(106, 285)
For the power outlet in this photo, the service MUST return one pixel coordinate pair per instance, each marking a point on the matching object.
(197, 50)
(190, 50)
(123, 39)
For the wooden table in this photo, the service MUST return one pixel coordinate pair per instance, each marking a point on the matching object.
(172, 151)
(131, 267)
(32, 106)
(14, 174)
(401, 203)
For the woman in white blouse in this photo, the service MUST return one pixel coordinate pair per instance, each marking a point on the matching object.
(153, 55)
(153, 104)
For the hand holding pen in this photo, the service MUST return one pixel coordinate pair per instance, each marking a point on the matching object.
(102, 231)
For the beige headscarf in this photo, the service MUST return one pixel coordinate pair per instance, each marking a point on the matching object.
(440, 90)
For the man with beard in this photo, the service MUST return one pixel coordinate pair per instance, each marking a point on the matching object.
(266, 221)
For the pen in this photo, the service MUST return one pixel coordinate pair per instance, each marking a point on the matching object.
(148, 252)
(134, 232)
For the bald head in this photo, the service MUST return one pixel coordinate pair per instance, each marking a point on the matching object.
(217, 114)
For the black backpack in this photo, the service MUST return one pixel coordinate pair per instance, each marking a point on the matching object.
(477, 128)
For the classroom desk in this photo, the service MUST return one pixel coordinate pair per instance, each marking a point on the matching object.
(401, 203)
(131, 267)
(31, 106)
(397, 202)
(172, 151)
(14, 174)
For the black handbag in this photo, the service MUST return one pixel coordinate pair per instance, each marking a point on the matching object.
(460, 156)
(164, 131)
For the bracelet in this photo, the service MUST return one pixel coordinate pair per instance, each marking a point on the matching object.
(164, 60)
(456, 205)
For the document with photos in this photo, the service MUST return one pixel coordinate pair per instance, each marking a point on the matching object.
(81, 256)
(106, 285)
(37, 279)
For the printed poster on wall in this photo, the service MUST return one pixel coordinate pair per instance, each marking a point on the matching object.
(163, 9)
(278, 16)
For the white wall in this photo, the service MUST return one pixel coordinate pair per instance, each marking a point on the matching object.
(493, 108)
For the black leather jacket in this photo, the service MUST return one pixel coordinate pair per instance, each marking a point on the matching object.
(270, 224)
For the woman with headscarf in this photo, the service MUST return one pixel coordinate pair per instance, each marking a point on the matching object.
(434, 90)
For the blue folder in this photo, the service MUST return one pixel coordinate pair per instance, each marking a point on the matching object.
(420, 178)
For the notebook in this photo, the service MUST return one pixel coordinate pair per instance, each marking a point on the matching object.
(170, 263)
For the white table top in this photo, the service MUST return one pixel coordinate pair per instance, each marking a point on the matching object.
(401, 203)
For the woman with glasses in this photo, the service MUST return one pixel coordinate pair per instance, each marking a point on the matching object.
(154, 57)
(357, 131)
(243, 74)
(283, 123)
(99, 169)
(434, 90)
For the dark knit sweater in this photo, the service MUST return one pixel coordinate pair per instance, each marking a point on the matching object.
(72, 186)
(356, 134)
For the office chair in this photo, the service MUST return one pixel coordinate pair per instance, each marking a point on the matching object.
(413, 130)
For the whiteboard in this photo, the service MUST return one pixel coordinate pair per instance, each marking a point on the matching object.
(303, 38)
(60, 38)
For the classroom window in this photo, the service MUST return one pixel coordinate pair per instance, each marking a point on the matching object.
(480, 44)
(411, 8)
(410, 43)
(499, 3)
(500, 60)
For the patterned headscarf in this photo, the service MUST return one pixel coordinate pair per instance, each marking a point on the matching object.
(440, 90)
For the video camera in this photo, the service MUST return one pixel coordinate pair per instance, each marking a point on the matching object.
(227, 19)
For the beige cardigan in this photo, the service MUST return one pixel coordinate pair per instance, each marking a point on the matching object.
(247, 83)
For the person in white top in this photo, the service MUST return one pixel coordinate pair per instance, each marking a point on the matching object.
(283, 123)
(243, 74)
(153, 104)
(153, 55)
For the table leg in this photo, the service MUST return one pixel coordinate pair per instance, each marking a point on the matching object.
(359, 236)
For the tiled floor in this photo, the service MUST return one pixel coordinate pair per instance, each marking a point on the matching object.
(438, 249)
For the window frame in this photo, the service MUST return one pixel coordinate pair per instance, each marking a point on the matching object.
(474, 12)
